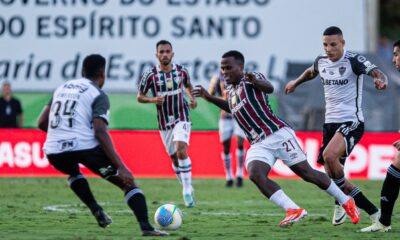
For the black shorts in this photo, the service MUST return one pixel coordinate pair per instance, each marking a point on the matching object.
(95, 159)
(351, 131)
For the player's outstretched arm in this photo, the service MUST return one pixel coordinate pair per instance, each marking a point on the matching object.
(380, 79)
(307, 75)
(199, 91)
(142, 98)
(102, 135)
(43, 121)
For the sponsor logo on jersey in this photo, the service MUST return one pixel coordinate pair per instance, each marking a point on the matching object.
(361, 59)
(335, 81)
(169, 83)
(82, 88)
(68, 144)
(238, 106)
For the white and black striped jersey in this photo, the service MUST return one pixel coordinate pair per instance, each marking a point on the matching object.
(73, 107)
(343, 84)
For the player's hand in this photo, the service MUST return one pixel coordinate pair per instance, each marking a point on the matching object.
(159, 100)
(193, 102)
(200, 91)
(380, 84)
(125, 175)
(249, 77)
(397, 145)
(290, 87)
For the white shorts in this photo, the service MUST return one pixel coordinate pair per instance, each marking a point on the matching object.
(281, 145)
(229, 127)
(180, 132)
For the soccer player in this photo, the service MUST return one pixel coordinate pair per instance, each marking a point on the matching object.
(270, 138)
(76, 124)
(341, 72)
(227, 128)
(168, 82)
(391, 185)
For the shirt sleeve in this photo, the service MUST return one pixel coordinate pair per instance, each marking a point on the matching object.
(315, 64)
(361, 65)
(185, 76)
(101, 107)
(19, 107)
(146, 81)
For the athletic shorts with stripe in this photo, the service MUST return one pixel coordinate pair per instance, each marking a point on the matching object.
(95, 159)
(282, 145)
(351, 131)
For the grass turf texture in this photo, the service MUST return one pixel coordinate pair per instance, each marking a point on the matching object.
(220, 213)
(126, 112)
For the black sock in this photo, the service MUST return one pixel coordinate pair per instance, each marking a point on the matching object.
(363, 202)
(389, 194)
(81, 188)
(137, 202)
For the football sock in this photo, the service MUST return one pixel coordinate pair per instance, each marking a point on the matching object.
(80, 187)
(339, 182)
(137, 203)
(338, 194)
(282, 200)
(389, 194)
(227, 164)
(363, 202)
(177, 173)
(185, 167)
(240, 159)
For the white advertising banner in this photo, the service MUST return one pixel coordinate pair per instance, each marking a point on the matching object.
(43, 42)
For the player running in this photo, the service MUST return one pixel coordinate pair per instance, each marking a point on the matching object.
(168, 83)
(270, 138)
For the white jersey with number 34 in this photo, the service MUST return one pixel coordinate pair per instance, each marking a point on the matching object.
(73, 107)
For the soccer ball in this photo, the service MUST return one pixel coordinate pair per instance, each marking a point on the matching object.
(168, 216)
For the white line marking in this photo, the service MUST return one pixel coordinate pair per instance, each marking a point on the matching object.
(73, 208)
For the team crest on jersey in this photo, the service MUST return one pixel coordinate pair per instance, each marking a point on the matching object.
(342, 70)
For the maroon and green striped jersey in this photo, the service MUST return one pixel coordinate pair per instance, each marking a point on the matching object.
(250, 108)
(171, 85)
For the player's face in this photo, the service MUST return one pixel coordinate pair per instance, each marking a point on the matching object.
(231, 70)
(164, 54)
(333, 46)
(6, 89)
(396, 58)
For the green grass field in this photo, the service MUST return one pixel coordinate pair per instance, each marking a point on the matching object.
(45, 208)
(126, 112)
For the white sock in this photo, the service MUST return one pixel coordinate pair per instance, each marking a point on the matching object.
(185, 167)
(282, 200)
(338, 194)
(177, 173)
(240, 159)
(228, 166)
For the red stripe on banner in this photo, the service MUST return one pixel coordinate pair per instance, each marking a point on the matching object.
(21, 154)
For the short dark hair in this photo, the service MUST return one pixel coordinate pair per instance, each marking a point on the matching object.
(93, 65)
(238, 56)
(333, 30)
(163, 42)
(396, 44)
